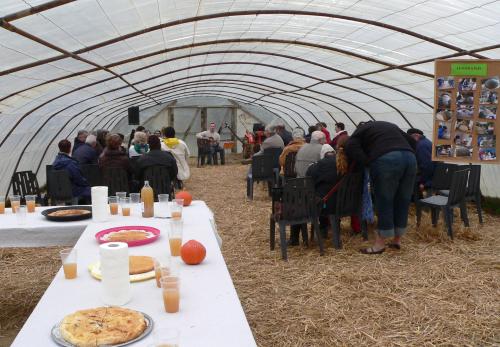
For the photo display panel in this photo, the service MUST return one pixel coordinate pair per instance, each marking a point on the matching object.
(466, 111)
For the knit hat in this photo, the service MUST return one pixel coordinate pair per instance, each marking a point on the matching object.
(326, 148)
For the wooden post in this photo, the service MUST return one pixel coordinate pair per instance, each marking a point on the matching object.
(204, 119)
(235, 129)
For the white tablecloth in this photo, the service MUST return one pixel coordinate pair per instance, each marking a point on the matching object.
(37, 231)
(210, 313)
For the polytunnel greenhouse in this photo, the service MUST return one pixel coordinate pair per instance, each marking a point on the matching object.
(265, 124)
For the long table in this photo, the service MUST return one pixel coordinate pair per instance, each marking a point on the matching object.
(210, 313)
(37, 231)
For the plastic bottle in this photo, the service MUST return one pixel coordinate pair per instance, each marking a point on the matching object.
(148, 200)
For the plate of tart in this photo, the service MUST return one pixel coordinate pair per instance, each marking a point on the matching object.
(68, 213)
(132, 235)
(102, 326)
(141, 268)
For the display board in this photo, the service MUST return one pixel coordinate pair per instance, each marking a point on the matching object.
(466, 111)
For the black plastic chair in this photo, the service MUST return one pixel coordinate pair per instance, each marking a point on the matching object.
(275, 155)
(25, 183)
(348, 202)
(116, 179)
(203, 151)
(289, 167)
(261, 171)
(159, 180)
(59, 187)
(473, 192)
(441, 179)
(92, 174)
(456, 198)
(297, 207)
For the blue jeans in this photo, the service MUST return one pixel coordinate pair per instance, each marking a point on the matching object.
(393, 179)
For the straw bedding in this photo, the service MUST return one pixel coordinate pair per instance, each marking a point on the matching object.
(434, 292)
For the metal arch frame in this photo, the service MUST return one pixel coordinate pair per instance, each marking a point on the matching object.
(285, 56)
(251, 13)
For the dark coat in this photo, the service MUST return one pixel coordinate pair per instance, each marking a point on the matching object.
(85, 154)
(156, 157)
(324, 175)
(80, 186)
(76, 143)
(115, 158)
(374, 139)
(286, 136)
(424, 161)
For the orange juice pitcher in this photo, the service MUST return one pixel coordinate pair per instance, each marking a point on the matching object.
(147, 198)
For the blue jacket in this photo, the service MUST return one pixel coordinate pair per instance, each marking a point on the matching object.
(425, 164)
(80, 186)
(85, 154)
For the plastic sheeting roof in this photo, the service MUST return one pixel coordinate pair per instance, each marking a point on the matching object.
(66, 65)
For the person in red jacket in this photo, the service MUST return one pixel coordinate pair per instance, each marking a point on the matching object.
(322, 127)
(340, 133)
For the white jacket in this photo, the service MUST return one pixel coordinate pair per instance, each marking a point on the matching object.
(180, 151)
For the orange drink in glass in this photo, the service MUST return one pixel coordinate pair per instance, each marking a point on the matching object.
(15, 202)
(69, 261)
(2, 204)
(113, 205)
(30, 203)
(175, 237)
(171, 294)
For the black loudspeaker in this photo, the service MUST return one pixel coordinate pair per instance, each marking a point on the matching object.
(133, 115)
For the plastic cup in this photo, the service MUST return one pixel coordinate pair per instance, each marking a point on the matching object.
(170, 287)
(120, 195)
(163, 210)
(113, 205)
(30, 203)
(166, 337)
(135, 202)
(176, 209)
(125, 206)
(175, 237)
(2, 204)
(15, 202)
(21, 214)
(69, 262)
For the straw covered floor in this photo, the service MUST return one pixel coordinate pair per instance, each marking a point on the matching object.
(434, 292)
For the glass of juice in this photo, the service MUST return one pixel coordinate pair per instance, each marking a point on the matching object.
(30, 203)
(166, 337)
(68, 258)
(2, 204)
(162, 269)
(113, 205)
(125, 205)
(176, 209)
(171, 293)
(15, 201)
(175, 237)
(163, 208)
(21, 214)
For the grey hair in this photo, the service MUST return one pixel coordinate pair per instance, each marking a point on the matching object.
(91, 139)
(316, 136)
(278, 123)
(81, 132)
(271, 128)
(298, 133)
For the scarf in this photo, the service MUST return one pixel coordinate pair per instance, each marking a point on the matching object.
(171, 142)
(141, 149)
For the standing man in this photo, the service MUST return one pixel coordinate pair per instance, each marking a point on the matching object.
(80, 138)
(214, 138)
(340, 132)
(423, 152)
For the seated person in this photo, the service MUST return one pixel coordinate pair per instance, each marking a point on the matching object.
(86, 154)
(273, 140)
(179, 150)
(215, 147)
(309, 153)
(156, 157)
(79, 185)
(280, 129)
(113, 156)
(293, 146)
(139, 145)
